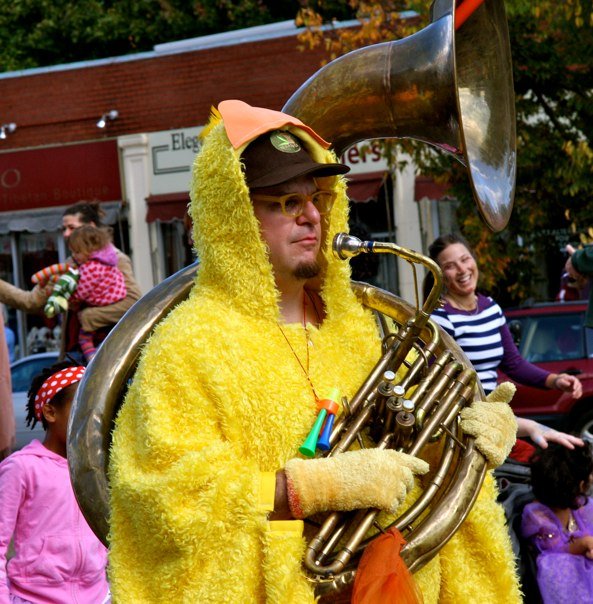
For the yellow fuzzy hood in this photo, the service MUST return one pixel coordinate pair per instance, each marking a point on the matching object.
(232, 254)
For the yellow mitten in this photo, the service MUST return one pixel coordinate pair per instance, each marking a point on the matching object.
(493, 424)
(369, 478)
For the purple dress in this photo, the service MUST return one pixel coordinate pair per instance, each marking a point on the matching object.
(561, 576)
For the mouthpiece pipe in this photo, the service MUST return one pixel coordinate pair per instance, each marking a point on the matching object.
(347, 246)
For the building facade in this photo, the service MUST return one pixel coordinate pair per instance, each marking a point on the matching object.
(124, 131)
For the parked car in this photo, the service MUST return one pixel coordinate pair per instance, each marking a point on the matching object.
(22, 372)
(553, 336)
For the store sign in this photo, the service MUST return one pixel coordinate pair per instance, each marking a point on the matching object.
(172, 154)
(364, 157)
(60, 175)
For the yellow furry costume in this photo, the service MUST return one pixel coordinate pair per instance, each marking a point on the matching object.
(219, 404)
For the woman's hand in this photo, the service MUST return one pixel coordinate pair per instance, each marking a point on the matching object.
(566, 383)
(541, 435)
(582, 546)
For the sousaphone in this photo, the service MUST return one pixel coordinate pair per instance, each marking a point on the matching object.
(449, 88)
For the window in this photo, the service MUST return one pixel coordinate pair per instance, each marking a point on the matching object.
(550, 337)
(23, 372)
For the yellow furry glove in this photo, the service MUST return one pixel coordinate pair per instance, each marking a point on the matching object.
(369, 478)
(493, 424)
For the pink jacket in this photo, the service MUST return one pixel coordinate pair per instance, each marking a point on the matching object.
(101, 283)
(58, 559)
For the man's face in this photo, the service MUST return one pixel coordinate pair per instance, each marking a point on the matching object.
(294, 242)
(71, 222)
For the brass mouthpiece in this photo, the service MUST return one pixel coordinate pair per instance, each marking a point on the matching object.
(347, 246)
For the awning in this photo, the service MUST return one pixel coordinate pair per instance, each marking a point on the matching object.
(167, 207)
(48, 219)
(365, 187)
(59, 176)
(426, 187)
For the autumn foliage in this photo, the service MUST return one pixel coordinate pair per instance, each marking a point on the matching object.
(552, 48)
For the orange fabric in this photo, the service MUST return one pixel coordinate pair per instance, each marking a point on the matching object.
(243, 123)
(382, 577)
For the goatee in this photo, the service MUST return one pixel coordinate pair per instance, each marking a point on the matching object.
(307, 270)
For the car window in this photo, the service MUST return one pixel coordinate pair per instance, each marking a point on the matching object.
(23, 373)
(552, 337)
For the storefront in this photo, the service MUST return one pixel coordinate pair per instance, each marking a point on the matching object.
(36, 185)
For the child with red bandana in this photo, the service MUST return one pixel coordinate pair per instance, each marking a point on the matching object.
(57, 558)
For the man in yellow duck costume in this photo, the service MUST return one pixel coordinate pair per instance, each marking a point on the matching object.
(208, 489)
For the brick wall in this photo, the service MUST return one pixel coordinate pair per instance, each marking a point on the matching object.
(150, 93)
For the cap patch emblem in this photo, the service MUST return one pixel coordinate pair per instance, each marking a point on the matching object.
(284, 142)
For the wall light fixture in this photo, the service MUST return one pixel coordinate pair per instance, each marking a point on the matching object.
(107, 117)
(7, 129)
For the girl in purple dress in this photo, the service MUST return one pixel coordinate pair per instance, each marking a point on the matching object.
(559, 524)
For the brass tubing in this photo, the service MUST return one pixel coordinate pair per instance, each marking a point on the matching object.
(456, 398)
(353, 430)
(428, 380)
(438, 385)
(434, 531)
(346, 246)
(346, 552)
(462, 399)
(448, 402)
(325, 548)
(430, 489)
(366, 393)
(420, 362)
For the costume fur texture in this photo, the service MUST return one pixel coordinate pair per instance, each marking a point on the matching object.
(493, 424)
(354, 480)
(219, 401)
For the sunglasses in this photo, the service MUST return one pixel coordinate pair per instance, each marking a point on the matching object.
(293, 204)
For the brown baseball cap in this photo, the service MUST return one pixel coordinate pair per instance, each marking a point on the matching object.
(278, 156)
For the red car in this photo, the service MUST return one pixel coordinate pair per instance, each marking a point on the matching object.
(553, 336)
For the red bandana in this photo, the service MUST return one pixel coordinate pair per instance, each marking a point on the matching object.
(53, 384)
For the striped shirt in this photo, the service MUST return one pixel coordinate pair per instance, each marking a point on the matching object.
(485, 338)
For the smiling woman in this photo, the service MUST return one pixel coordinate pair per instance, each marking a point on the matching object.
(460, 273)
(478, 325)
